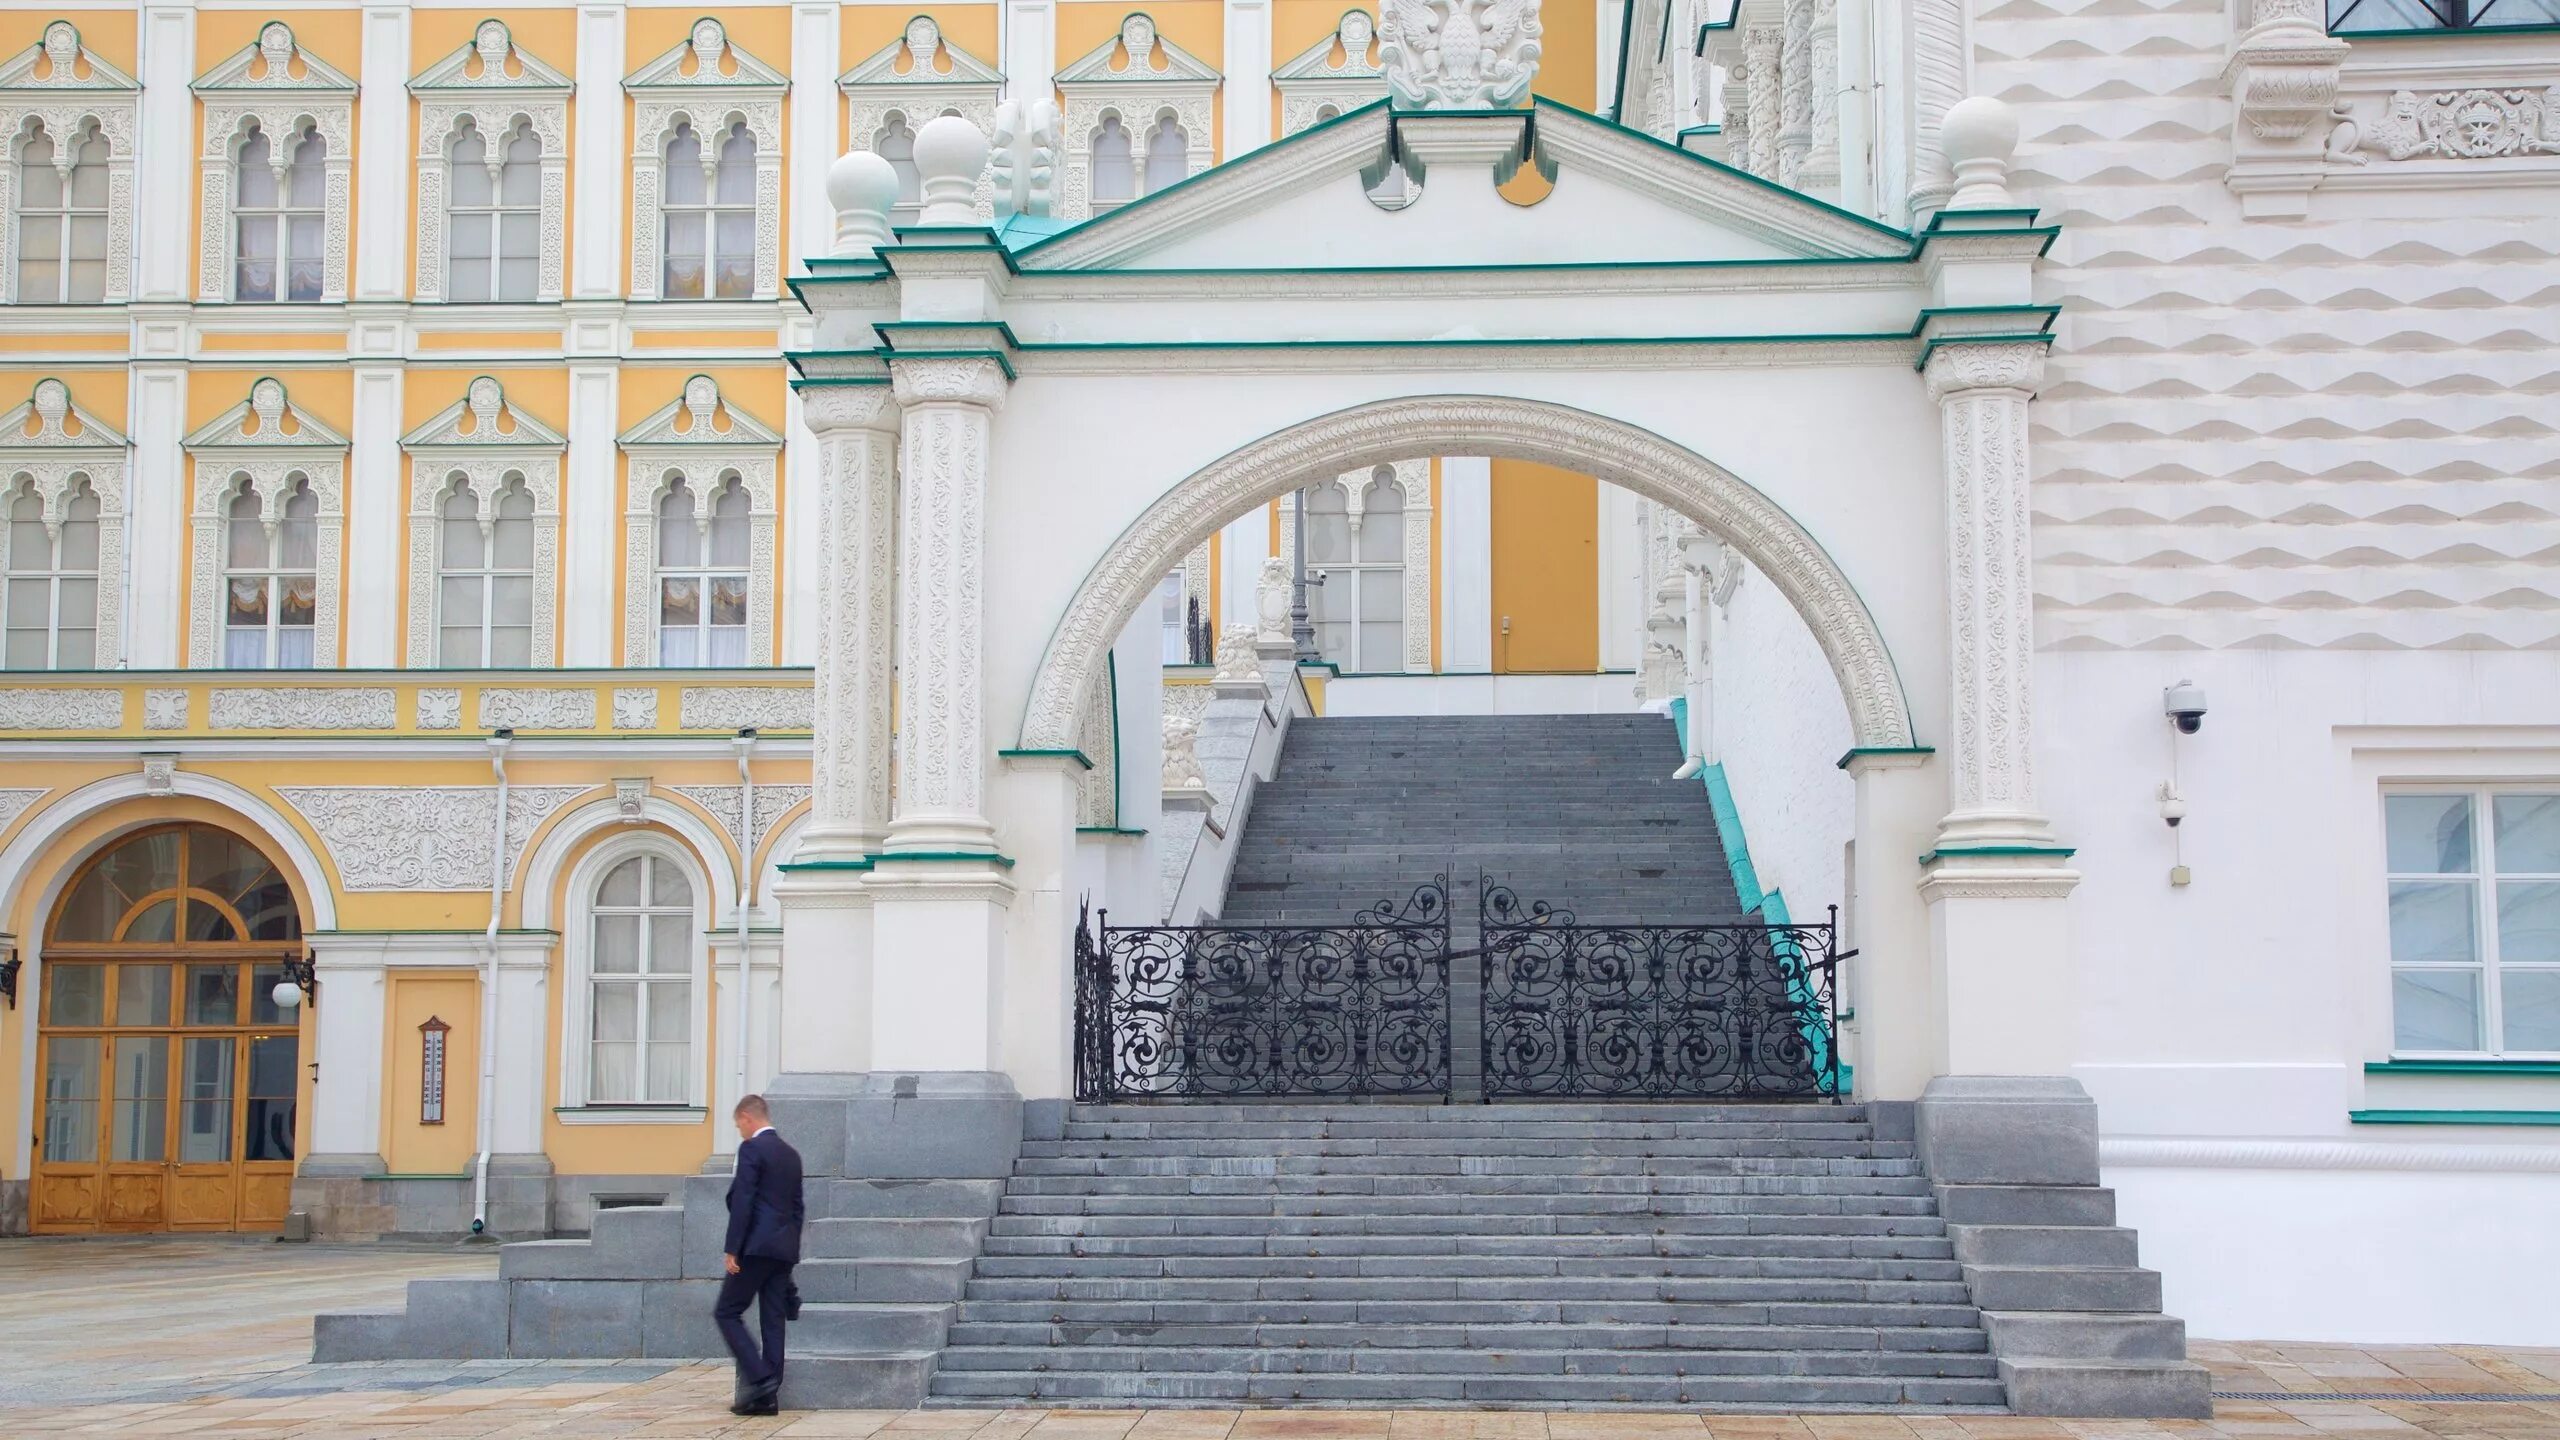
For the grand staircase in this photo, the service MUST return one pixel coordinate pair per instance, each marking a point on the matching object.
(1582, 1255)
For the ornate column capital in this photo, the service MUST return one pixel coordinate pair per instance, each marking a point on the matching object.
(831, 409)
(978, 380)
(1956, 369)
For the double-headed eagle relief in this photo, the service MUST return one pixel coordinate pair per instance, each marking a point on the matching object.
(1459, 54)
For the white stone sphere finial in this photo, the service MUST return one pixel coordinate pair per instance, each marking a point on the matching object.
(861, 186)
(1979, 136)
(950, 154)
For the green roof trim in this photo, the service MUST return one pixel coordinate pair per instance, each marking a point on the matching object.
(1798, 197)
(942, 857)
(1856, 751)
(2462, 1067)
(1077, 756)
(2453, 1117)
(1948, 852)
(1120, 830)
(2442, 31)
(797, 866)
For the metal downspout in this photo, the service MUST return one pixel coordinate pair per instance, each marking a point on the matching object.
(488, 1098)
(746, 746)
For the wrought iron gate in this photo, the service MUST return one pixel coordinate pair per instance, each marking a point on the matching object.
(1656, 1012)
(1204, 1012)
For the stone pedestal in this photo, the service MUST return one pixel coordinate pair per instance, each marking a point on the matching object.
(826, 968)
(2007, 1130)
(937, 935)
(887, 1125)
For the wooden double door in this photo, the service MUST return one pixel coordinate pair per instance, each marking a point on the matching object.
(168, 1074)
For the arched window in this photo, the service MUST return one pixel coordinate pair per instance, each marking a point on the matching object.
(1168, 154)
(271, 583)
(49, 603)
(641, 937)
(62, 219)
(710, 209)
(484, 607)
(1359, 608)
(1115, 176)
(896, 143)
(1172, 621)
(277, 217)
(702, 577)
(494, 217)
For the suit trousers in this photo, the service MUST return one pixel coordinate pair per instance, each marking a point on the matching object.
(764, 1284)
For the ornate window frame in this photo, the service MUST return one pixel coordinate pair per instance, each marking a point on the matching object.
(904, 78)
(251, 439)
(682, 440)
(1137, 90)
(577, 995)
(663, 93)
(483, 456)
(1413, 477)
(258, 84)
(70, 445)
(449, 93)
(42, 84)
(1313, 80)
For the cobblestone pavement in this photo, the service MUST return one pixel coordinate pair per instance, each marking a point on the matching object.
(211, 1338)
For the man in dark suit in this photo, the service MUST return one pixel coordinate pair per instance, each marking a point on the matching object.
(765, 1213)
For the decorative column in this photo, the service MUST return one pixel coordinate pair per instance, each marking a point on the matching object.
(857, 429)
(1795, 119)
(1820, 174)
(1764, 51)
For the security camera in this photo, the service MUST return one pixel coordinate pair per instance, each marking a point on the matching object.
(2173, 806)
(2183, 703)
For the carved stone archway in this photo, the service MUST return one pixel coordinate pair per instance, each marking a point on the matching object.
(1614, 451)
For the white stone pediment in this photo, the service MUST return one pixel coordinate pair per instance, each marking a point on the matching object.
(481, 68)
(692, 420)
(1347, 52)
(48, 423)
(921, 57)
(1137, 55)
(706, 63)
(267, 420)
(484, 419)
(266, 68)
(52, 67)
(1618, 198)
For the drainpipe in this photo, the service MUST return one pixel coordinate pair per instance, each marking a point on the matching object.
(488, 1107)
(745, 741)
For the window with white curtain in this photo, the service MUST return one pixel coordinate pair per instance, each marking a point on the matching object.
(1168, 153)
(493, 216)
(271, 585)
(1115, 174)
(62, 218)
(484, 601)
(278, 214)
(2475, 921)
(702, 576)
(1359, 609)
(1172, 621)
(641, 936)
(49, 603)
(710, 210)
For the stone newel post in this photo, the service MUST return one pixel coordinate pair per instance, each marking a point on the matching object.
(950, 407)
(857, 430)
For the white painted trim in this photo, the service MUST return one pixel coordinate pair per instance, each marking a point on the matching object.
(596, 237)
(372, 609)
(1246, 96)
(2147, 1153)
(164, 160)
(812, 118)
(382, 162)
(591, 514)
(630, 1114)
(156, 510)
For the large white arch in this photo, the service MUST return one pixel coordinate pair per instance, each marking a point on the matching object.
(18, 858)
(1613, 450)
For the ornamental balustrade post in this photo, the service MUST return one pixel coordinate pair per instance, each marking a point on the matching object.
(1763, 49)
(857, 430)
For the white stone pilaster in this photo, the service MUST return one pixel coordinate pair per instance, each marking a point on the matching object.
(164, 229)
(1820, 176)
(346, 1103)
(949, 414)
(1764, 50)
(590, 510)
(521, 1091)
(156, 507)
(595, 240)
(1029, 52)
(383, 164)
(374, 562)
(814, 105)
(1795, 92)
(1036, 795)
(857, 443)
(1466, 564)
(1245, 93)
(1621, 531)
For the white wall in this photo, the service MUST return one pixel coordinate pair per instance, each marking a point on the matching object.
(1781, 729)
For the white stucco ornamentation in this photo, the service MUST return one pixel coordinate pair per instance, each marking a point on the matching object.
(735, 707)
(1941, 58)
(1820, 172)
(537, 709)
(1795, 93)
(911, 80)
(949, 410)
(1459, 54)
(635, 709)
(58, 85)
(1337, 74)
(267, 447)
(259, 89)
(164, 709)
(1023, 165)
(1271, 602)
(481, 444)
(711, 85)
(14, 803)
(302, 707)
(773, 802)
(52, 449)
(2471, 124)
(90, 708)
(1146, 82)
(1237, 662)
(857, 430)
(1182, 755)
(700, 440)
(1098, 740)
(421, 837)
(1764, 51)
(491, 86)
(439, 709)
(2283, 78)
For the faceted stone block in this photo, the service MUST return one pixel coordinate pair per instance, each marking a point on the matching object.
(574, 1319)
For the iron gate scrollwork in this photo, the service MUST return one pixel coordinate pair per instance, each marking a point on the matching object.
(1656, 1011)
(1271, 1011)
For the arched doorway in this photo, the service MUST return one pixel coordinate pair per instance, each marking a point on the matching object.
(167, 1069)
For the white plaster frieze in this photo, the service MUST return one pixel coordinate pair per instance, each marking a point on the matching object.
(733, 707)
(86, 708)
(302, 707)
(421, 837)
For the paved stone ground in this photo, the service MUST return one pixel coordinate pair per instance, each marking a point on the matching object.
(209, 1338)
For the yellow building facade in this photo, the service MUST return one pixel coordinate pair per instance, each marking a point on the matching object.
(411, 555)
